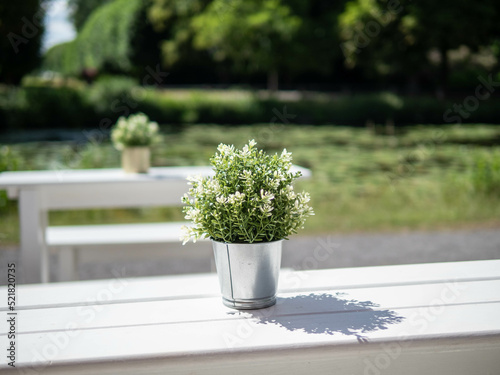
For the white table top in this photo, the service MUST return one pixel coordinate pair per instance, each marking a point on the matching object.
(80, 176)
(176, 323)
(104, 175)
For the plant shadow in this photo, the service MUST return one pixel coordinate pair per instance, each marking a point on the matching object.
(327, 314)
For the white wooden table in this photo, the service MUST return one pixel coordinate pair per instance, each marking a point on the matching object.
(41, 191)
(441, 318)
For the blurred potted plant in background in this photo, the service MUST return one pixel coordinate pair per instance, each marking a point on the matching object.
(247, 209)
(133, 136)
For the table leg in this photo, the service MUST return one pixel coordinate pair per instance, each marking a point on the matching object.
(33, 224)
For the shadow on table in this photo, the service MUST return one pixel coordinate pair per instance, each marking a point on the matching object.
(327, 315)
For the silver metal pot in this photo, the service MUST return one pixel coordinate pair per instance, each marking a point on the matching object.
(248, 273)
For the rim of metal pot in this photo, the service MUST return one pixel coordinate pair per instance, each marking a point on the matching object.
(246, 243)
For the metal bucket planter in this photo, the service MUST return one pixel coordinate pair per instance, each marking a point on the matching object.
(135, 159)
(248, 273)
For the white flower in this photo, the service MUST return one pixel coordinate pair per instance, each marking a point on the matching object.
(266, 209)
(186, 234)
(245, 151)
(286, 157)
(274, 184)
(304, 198)
(221, 199)
(193, 214)
(266, 196)
(278, 176)
(225, 149)
(235, 198)
(195, 178)
(290, 194)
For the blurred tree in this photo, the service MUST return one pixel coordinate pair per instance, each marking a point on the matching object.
(449, 24)
(257, 35)
(116, 38)
(80, 10)
(106, 37)
(389, 37)
(21, 30)
(315, 42)
(171, 19)
(62, 58)
(310, 47)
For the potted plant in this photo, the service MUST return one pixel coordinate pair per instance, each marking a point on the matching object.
(133, 136)
(247, 209)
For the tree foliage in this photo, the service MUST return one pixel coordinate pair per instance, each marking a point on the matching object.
(370, 40)
(171, 19)
(62, 58)
(106, 37)
(82, 9)
(257, 35)
(387, 37)
(115, 38)
(316, 40)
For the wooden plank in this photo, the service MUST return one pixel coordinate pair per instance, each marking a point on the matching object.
(114, 195)
(116, 290)
(410, 274)
(123, 289)
(192, 339)
(471, 356)
(101, 175)
(81, 235)
(431, 297)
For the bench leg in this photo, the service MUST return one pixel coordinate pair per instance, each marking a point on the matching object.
(67, 264)
(32, 224)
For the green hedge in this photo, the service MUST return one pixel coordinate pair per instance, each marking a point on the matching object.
(80, 106)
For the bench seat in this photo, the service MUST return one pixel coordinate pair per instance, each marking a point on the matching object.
(66, 240)
(113, 234)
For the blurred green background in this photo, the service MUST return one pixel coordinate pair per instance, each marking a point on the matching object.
(393, 104)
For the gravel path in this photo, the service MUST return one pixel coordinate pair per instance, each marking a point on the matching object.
(362, 250)
(302, 253)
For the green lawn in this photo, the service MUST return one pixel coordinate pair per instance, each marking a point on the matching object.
(363, 180)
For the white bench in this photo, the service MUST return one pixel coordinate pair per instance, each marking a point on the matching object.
(68, 240)
(440, 318)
